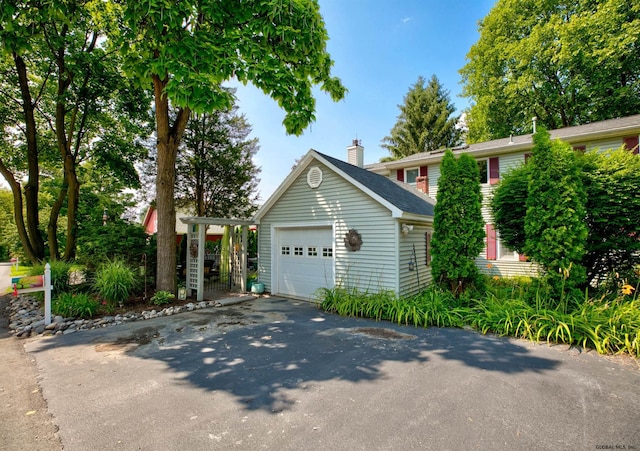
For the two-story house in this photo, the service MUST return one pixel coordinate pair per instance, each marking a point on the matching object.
(494, 159)
(336, 223)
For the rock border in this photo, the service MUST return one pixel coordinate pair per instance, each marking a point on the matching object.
(26, 318)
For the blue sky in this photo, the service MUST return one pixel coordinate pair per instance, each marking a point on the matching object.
(380, 47)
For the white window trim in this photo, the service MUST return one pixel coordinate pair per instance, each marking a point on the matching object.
(509, 255)
(406, 177)
(488, 182)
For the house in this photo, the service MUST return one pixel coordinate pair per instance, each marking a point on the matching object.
(150, 224)
(335, 223)
(494, 159)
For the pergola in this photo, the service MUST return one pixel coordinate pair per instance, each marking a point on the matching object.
(195, 263)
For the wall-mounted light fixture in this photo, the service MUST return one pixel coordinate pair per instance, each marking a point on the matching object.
(405, 229)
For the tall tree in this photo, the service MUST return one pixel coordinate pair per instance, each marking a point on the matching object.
(554, 224)
(215, 173)
(187, 49)
(458, 226)
(425, 122)
(612, 183)
(566, 62)
(72, 98)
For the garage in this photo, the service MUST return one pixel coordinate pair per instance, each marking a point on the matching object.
(305, 260)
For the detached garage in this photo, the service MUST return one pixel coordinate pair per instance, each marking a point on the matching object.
(334, 223)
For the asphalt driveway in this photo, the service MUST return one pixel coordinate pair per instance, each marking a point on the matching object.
(280, 374)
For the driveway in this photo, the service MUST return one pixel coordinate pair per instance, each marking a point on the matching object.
(279, 374)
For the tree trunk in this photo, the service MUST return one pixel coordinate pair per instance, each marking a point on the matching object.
(16, 189)
(73, 194)
(52, 227)
(168, 141)
(32, 239)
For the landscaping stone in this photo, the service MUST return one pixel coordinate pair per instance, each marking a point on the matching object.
(26, 317)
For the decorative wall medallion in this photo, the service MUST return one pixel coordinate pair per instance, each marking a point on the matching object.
(314, 177)
(353, 240)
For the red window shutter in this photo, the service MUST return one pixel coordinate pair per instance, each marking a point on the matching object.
(427, 242)
(582, 149)
(400, 175)
(494, 170)
(424, 171)
(491, 242)
(631, 143)
(527, 156)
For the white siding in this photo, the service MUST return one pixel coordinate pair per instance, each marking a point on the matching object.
(342, 205)
(413, 282)
(602, 145)
(433, 176)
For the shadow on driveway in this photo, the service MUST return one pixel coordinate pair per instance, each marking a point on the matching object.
(259, 351)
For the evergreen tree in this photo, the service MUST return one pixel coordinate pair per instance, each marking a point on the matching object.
(555, 227)
(215, 172)
(458, 226)
(425, 123)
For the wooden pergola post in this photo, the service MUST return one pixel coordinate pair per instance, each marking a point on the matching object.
(198, 274)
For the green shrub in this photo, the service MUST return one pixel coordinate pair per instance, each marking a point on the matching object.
(115, 281)
(609, 325)
(74, 305)
(162, 297)
(59, 275)
(458, 226)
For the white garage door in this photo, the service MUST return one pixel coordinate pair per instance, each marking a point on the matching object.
(305, 260)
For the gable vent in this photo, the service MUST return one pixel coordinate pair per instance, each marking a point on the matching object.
(314, 177)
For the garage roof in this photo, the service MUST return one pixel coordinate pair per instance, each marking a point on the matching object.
(402, 199)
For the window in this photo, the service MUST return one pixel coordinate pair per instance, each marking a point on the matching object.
(327, 251)
(504, 253)
(285, 250)
(410, 175)
(312, 251)
(298, 250)
(489, 170)
(496, 249)
(484, 171)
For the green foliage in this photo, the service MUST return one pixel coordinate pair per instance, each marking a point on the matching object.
(74, 305)
(509, 206)
(7, 224)
(565, 62)
(612, 182)
(609, 324)
(425, 123)
(555, 221)
(115, 240)
(162, 297)
(188, 50)
(458, 235)
(59, 275)
(115, 281)
(215, 172)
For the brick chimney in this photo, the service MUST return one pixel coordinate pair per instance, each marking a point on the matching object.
(422, 184)
(355, 154)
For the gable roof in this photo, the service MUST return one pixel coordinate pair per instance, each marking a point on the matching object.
(629, 125)
(402, 195)
(400, 198)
